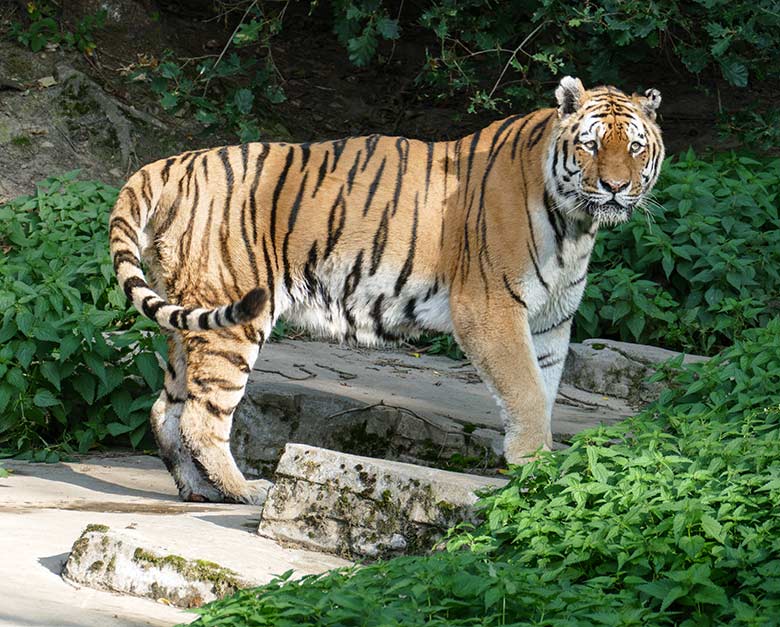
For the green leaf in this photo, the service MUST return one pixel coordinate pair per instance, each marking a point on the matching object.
(44, 398)
(84, 384)
(712, 527)
(149, 369)
(117, 428)
(244, 99)
(734, 72)
(388, 28)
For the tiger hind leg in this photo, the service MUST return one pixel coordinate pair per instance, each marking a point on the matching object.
(218, 366)
(165, 419)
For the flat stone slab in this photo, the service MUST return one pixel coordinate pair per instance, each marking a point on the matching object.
(44, 508)
(126, 562)
(618, 369)
(360, 507)
(386, 403)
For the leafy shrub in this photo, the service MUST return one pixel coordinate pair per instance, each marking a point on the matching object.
(701, 268)
(227, 89)
(43, 29)
(527, 43)
(667, 519)
(76, 368)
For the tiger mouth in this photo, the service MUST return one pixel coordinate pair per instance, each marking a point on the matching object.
(609, 211)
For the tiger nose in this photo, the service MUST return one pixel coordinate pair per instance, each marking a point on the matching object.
(614, 185)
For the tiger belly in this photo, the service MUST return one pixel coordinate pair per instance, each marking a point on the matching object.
(366, 310)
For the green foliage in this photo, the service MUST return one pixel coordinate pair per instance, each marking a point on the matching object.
(360, 24)
(761, 131)
(43, 28)
(76, 368)
(701, 268)
(737, 40)
(667, 519)
(225, 90)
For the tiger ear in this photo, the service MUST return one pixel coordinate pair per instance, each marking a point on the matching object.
(569, 94)
(649, 102)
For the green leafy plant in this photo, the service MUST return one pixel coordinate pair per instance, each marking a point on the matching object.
(44, 28)
(360, 25)
(76, 367)
(667, 519)
(228, 89)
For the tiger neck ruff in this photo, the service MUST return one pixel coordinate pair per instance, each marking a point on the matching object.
(372, 239)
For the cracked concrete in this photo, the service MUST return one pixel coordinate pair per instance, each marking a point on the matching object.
(45, 507)
(387, 403)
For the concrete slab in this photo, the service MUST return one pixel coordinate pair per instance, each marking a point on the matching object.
(360, 507)
(45, 507)
(387, 403)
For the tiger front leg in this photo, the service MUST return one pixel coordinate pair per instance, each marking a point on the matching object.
(498, 340)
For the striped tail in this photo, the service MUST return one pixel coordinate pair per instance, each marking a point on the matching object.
(134, 207)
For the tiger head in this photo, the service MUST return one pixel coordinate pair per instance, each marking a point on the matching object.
(606, 152)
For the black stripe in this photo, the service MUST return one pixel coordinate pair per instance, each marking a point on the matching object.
(515, 296)
(224, 227)
(578, 281)
(234, 358)
(253, 190)
(535, 136)
(132, 283)
(269, 273)
(470, 159)
(552, 363)
(352, 172)
(409, 310)
(125, 256)
(165, 173)
(536, 269)
(321, 174)
(336, 219)
(518, 135)
(305, 154)
(277, 192)
(371, 143)
(552, 217)
(203, 321)
(406, 271)
(401, 145)
(120, 224)
(428, 167)
(290, 226)
(380, 241)
(554, 326)
(376, 315)
(350, 285)
(244, 161)
(374, 185)
(338, 148)
(150, 311)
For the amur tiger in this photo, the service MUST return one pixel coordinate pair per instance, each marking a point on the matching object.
(375, 238)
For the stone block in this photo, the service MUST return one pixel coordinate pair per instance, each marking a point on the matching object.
(361, 507)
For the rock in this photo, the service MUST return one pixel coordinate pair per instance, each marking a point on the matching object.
(122, 562)
(618, 369)
(359, 507)
(388, 403)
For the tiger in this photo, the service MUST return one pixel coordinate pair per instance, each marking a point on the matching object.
(374, 239)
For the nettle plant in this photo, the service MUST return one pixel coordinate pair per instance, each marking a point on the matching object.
(43, 28)
(76, 366)
(227, 89)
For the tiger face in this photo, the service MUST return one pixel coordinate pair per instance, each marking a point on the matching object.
(607, 152)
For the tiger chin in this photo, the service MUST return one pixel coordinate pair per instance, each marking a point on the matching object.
(372, 239)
